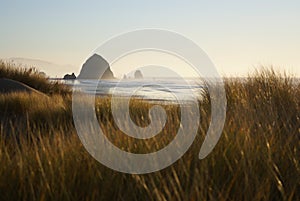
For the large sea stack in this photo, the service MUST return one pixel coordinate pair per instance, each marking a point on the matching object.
(95, 66)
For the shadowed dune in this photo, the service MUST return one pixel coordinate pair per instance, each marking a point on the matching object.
(11, 86)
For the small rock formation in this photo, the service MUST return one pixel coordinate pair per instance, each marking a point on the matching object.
(94, 67)
(70, 77)
(138, 74)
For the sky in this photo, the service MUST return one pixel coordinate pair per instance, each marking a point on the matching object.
(238, 36)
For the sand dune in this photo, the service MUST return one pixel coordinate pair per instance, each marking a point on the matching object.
(10, 86)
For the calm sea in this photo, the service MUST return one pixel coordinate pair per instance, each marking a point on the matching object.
(168, 89)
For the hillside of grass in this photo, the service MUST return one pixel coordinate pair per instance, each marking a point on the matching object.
(32, 78)
(256, 158)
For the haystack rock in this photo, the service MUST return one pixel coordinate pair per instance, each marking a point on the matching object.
(95, 66)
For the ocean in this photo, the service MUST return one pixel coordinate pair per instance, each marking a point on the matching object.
(166, 89)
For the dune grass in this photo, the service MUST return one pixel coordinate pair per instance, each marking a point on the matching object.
(32, 78)
(257, 157)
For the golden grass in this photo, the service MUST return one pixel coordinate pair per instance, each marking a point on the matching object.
(257, 157)
(32, 78)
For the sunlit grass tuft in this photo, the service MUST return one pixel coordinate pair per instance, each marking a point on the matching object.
(32, 78)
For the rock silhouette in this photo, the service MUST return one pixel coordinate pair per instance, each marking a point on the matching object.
(94, 67)
(70, 77)
(138, 74)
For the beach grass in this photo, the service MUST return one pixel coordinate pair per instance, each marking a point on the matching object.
(256, 158)
(32, 77)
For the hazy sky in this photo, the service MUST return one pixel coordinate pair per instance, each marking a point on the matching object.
(237, 35)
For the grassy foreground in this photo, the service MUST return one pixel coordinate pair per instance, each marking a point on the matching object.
(257, 157)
